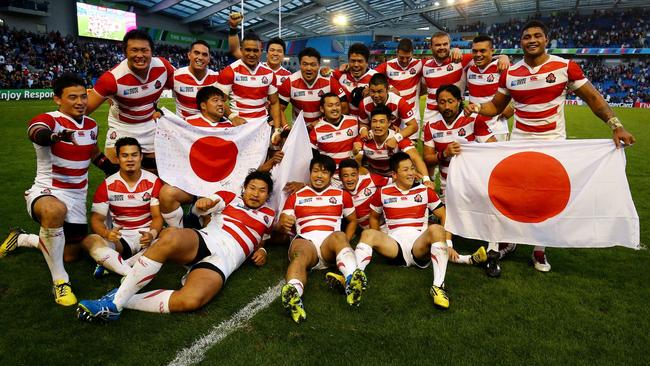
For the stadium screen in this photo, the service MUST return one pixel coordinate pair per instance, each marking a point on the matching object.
(100, 22)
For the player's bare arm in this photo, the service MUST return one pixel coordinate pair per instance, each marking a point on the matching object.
(490, 109)
(94, 101)
(351, 228)
(602, 110)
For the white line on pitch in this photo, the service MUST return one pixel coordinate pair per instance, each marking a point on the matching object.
(196, 352)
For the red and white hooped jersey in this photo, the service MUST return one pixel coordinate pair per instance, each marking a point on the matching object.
(281, 74)
(186, 86)
(367, 185)
(405, 79)
(402, 110)
(200, 121)
(247, 226)
(349, 82)
(247, 89)
(335, 141)
(134, 97)
(405, 208)
(435, 75)
(130, 207)
(64, 165)
(438, 134)
(306, 98)
(539, 93)
(318, 211)
(482, 85)
(377, 155)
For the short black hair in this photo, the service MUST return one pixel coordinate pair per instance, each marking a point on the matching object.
(309, 52)
(379, 79)
(277, 40)
(325, 161)
(136, 34)
(126, 141)
(359, 49)
(348, 163)
(405, 44)
(482, 38)
(381, 109)
(440, 34)
(328, 95)
(65, 81)
(250, 36)
(451, 89)
(397, 158)
(535, 24)
(206, 93)
(260, 175)
(201, 42)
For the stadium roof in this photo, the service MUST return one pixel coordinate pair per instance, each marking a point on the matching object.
(309, 18)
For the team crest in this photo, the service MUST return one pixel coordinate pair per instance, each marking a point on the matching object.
(265, 80)
(146, 197)
(550, 78)
(462, 132)
(418, 198)
(113, 135)
(158, 84)
(412, 71)
(320, 93)
(490, 78)
(333, 200)
(93, 135)
(266, 219)
(282, 79)
(367, 192)
(349, 132)
(46, 191)
(450, 67)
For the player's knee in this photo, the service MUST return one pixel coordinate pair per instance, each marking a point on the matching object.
(170, 239)
(52, 214)
(168, 198)
(436, 233)
(192, 302)
(92, 241)
(368, 236)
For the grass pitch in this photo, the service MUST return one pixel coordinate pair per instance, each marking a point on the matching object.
(591, 309)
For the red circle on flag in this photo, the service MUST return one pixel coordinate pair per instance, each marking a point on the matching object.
(212, 158)
(529, 187)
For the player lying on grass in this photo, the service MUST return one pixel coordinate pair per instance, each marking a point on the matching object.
(65, 142)
(316, 211)
(131, 198)
(240, 224)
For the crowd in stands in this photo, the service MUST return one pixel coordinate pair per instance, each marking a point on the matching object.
(621, 82)
(31, 60)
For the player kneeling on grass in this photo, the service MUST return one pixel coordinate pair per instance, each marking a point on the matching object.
(410, 239)
(131, 197)
(65, 142)
(238, 227)
(316, 211)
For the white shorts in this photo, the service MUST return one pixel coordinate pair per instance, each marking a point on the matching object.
(316, 238)
(130, 238)
(226, 255)
(75, 202)
(143, 132)
(405, 238)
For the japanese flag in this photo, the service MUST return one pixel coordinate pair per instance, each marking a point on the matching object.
(294, 166)
(203, 160)
(571, 193)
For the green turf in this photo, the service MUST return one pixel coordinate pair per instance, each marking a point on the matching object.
(591, 309)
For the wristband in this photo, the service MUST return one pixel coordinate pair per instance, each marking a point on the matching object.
(449, 243)
(363, 128)
(232, 115)
(614, 123)
(213, 197)
(399, 137)
(426, 178)
(479, 109)
(233, 31)
(154, 233)
(262, 248)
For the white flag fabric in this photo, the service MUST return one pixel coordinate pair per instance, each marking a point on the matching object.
(294, 166)
(571, 193)
(203, 160)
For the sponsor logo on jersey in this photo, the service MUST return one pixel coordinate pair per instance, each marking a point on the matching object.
(186, 89)
(146, 197)
(516, 82)
(131, 196)
(327, 136)
(393, 73)
(158, 84)
(130, 91)
(144, 87)
(440, 134)
(471, 76)
(299, 93)
(390, 200)
(333, 200)
(81, 133)
(418, 198)
(116, 197)
(462, 132)
(490, 78)
(46, 191)
(533, 78)
(241, 78)
(550, 78)
(304, 200)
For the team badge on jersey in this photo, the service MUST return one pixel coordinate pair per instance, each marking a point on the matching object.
(462, 132)
(412, 71)
(490, 78)
(450, 67)
(266, 219)
(320, 93)
(265, 80)
(93, 135)
(158, 84)
(113, 135)
(550, 78)
(146, 197)
(418, 198)
(367, 192)
(282, 79)
(349, 132)
(333, 200)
